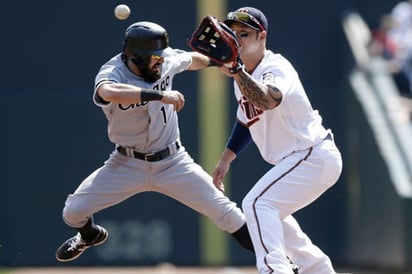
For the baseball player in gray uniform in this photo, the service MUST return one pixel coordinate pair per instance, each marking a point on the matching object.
(275, 113)
(134, 90)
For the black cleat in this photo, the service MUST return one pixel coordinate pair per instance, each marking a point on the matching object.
(75, 246)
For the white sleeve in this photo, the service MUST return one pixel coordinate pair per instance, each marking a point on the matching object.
(107, 74)
(277, 80)
(96, 97)
(182, 59)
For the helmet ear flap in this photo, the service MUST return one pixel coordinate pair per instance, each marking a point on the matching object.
(127, 49)
(137, 60)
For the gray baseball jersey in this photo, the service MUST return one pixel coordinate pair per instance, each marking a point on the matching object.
(148, 127)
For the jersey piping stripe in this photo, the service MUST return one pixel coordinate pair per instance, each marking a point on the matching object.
(250, 123)
(263, 192)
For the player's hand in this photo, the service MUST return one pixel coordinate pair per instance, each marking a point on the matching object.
(219, 173)
(225, 71)
(174, 98)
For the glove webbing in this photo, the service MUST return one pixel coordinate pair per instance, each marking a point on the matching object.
(209, 35)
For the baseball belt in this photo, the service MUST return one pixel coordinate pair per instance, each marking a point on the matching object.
(150, 157)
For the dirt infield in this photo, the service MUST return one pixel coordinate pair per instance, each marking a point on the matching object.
(162, 269)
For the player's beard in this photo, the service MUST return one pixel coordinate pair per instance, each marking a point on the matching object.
(149, 74)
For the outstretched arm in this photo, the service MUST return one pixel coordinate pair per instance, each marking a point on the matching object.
(199, 61)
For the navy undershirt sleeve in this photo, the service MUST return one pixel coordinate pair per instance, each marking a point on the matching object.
(239, 139)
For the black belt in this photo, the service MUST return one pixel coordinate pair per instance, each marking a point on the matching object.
(150, 157)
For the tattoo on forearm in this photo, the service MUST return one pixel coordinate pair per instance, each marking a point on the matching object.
(252, 91)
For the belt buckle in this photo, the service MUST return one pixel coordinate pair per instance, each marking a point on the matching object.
(148, 155)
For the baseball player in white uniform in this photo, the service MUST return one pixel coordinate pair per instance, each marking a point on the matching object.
(134, 90)
(275, 113)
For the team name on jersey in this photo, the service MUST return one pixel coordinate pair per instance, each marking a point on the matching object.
(251, 112)
(160, 86)
(132, 106)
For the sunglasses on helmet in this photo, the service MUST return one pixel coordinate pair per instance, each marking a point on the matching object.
(138, 60)
(156, 57)
(149, 58)
(245, 18)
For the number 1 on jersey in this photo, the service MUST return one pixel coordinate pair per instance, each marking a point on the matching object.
(164, 114)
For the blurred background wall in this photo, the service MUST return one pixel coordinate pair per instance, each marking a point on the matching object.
(53, 136)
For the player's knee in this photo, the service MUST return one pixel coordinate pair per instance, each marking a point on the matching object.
(74, 216)
(252, 204)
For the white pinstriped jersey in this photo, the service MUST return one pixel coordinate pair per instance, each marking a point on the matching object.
(150, 126)
(291, 126)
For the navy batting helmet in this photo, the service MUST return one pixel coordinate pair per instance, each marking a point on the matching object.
(145, 39)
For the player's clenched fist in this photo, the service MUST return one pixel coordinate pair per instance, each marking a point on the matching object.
(175, 98)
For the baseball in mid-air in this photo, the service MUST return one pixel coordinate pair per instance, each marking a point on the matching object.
(122, 12)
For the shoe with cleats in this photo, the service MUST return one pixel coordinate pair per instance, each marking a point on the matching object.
(75, 246)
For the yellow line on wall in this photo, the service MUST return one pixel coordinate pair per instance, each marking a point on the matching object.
(213, 113)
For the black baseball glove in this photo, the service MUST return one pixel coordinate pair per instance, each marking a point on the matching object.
(217, 41)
